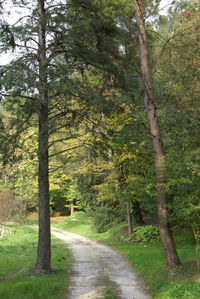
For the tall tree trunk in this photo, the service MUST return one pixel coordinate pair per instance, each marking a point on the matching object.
(43, 263)
(165, 232)
(129, 219)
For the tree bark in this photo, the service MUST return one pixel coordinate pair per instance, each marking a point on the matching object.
(129, 219)
(43, 263)
(197, 239)
(165, 232)
(72, 209)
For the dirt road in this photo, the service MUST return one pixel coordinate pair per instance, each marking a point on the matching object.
(95, 266)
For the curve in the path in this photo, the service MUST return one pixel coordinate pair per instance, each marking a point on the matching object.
(95, 265)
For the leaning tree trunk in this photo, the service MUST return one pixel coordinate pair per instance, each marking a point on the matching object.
(43, 263)
(165, 232)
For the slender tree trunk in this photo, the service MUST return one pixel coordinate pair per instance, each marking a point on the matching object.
(197, 239)
(43, 263)
(165, 232)
(129, 219)
(72, 209)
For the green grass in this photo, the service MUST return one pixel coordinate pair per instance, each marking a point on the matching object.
(17, 259)
(79, 223)
(109, 294)
(147, 259)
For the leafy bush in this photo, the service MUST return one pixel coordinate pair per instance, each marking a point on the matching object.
(11, 207)
(104, 217)
(146, 233)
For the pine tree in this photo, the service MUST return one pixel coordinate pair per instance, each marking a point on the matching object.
(157, 145)
(43, 263)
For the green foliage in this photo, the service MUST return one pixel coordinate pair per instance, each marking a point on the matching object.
(110, 294)
(99, 143)
(58, 202)
(105, 216)
(146, 233)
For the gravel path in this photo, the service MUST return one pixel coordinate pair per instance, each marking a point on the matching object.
(95, 266)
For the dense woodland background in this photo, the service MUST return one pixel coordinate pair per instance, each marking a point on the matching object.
(72, 101)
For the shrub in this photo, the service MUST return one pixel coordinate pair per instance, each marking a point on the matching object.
(146, 233)
(104, 218)
(11, 207)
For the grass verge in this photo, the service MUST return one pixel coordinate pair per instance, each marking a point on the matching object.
(147, 259)
(17, 259)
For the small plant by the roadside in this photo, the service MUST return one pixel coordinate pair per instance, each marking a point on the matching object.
(145, 233)
(110, 294)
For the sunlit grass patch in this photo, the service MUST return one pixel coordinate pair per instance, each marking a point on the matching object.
(17, 259)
